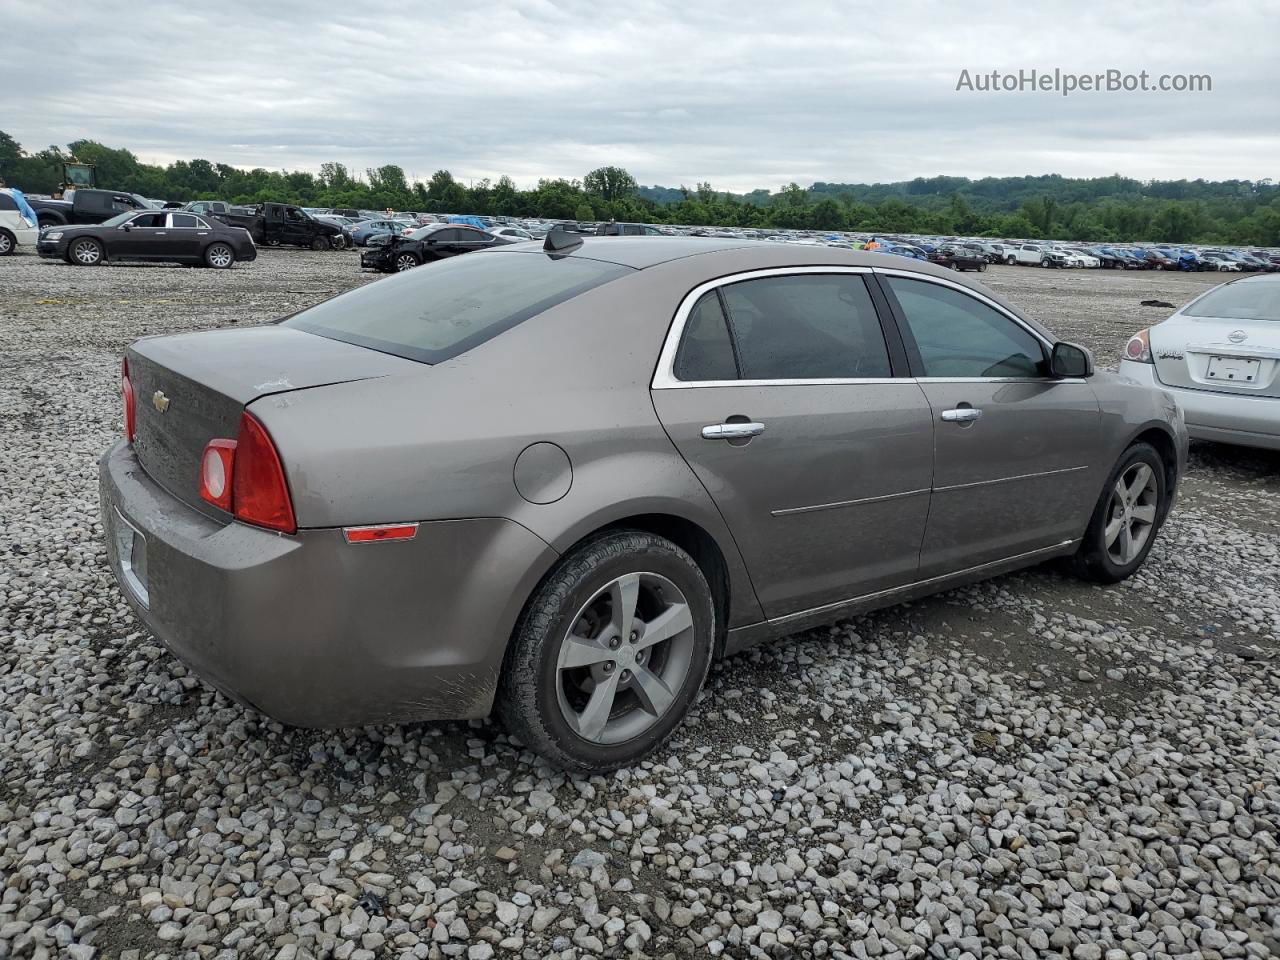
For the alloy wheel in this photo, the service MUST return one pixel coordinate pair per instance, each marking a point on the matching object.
(220, 256)
(1131, 513)
(405, 262)
(625, 658)
(6, 244)
(87, 252)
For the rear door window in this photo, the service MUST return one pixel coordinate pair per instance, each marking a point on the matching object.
(435, 315)
(806, 327)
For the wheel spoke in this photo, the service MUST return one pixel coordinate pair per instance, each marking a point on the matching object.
(1139, 483)
(581, 652)
(1144, 512)
(625, 592)
(591, 722)
(1126, 543)
(674, 620)
(655, 696)
(1112, 530)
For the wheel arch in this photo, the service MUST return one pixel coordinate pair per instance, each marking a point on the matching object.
(699, 544)
(1162, 440)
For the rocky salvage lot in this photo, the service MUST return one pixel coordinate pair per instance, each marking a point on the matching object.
(1031, 767)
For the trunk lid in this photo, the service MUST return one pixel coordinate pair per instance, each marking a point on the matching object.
(191, 388)
(1222, 355)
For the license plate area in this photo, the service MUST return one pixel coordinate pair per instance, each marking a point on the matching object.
(131, 548)
(1233, 369)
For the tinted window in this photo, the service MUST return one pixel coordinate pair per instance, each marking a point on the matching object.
(185, 220)
(706, 353)
(1250, 300)
(960, 336)
(814, 326)
(7, 202)
(148, 220)
(433, 315)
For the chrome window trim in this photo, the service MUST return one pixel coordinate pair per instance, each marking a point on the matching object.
(664, 377)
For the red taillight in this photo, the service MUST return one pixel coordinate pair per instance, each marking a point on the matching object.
(217, 467)
(245, 477)
(126, 394)
(1138, 349)
(259, 493)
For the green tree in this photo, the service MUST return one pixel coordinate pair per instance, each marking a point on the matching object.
(610, 183)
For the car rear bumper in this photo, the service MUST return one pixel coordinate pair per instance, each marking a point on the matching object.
(23, 236)
(314, 631)
(1224, 417)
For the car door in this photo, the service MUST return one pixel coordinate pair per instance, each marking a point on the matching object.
(448, 242)
(1017, 453)
(145, 235)
(778, 389)
(294, 227)
(187, 236)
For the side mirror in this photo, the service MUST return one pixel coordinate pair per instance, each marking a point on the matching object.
(126, 227)
(1070, 361)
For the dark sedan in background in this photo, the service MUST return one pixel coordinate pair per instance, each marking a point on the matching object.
(958, 258)
(174, 236)
(435, 241)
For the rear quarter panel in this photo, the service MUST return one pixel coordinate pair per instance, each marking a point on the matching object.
(442, 442)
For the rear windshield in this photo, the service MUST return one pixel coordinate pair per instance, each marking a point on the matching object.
(437, 311)
(1250, 300)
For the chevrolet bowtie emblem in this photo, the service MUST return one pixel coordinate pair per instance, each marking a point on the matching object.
(160, 401)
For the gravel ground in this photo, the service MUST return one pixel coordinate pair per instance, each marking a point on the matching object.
(1030, 767)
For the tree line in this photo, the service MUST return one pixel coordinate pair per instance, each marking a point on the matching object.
(1112, 208)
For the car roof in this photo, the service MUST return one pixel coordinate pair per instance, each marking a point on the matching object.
(722, 257)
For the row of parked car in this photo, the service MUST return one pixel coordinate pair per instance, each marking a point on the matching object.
(92, 226)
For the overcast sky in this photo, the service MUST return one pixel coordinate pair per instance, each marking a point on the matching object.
(742, 94)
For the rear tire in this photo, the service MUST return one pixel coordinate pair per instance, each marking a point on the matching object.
(580, 685)
(219, 256)
(1126, 518)
(85, 252)
(7, 242)
(321, 243)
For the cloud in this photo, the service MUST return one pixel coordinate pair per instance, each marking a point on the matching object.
(741, 94)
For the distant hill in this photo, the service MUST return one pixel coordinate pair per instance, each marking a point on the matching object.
(1002, 194)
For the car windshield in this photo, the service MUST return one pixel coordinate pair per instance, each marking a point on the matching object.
(436, 313)
(1249, 300)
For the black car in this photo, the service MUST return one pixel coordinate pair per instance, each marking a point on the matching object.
(958, 258)
(175, 236)
(435, 241)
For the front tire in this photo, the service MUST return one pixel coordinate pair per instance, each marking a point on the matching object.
(405, 261)
(219, 256)
(609, 653)
(7, 242)
(85, 252)
(1125, 519)
(320, 243)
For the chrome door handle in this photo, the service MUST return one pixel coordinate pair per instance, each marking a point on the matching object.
(962, 415)
(732, 431)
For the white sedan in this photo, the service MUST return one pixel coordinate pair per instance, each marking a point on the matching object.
(1220, 358)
